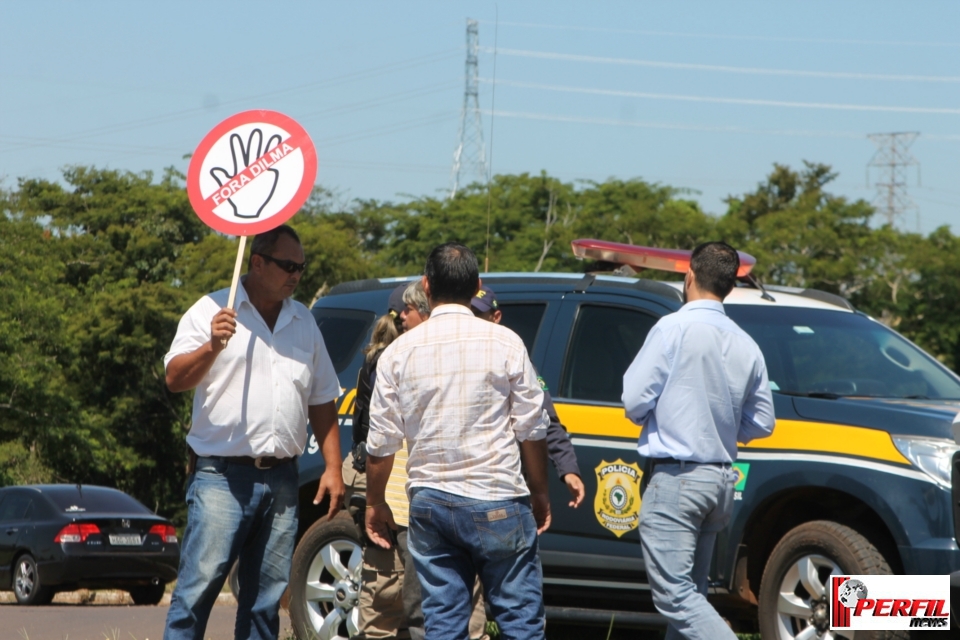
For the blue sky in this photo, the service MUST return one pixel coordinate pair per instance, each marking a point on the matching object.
(701, 95)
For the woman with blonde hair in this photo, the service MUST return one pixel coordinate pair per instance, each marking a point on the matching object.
(385, 331)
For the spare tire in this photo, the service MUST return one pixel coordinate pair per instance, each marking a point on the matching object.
(325, 580)
(794, 588)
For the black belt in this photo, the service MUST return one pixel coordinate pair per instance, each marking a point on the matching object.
(655, 461)
(261, 462)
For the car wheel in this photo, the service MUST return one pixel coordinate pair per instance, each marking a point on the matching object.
(26, 583)
(794, 594)
(325, 581)
(149, 594)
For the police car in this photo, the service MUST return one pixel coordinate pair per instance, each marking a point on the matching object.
(861, 474)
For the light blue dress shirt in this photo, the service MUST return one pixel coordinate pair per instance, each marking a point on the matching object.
(698, 386)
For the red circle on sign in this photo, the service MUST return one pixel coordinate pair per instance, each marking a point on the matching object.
(249, 224)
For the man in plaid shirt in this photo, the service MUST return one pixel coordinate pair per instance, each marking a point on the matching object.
(463, 393)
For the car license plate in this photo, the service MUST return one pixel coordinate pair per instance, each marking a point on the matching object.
(125, 539)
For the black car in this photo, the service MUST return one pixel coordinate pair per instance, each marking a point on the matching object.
(65, 537)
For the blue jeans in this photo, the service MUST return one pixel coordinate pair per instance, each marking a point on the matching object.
(683, 508)
(235, 511)
(453, 539)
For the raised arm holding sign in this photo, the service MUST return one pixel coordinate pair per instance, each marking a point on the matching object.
(260, 370)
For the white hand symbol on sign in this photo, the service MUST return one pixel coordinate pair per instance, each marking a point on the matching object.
(249, 202)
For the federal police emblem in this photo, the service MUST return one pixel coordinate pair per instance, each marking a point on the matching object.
(617, 502)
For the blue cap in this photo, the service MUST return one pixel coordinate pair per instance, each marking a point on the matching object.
(485, 300)
(395, 305)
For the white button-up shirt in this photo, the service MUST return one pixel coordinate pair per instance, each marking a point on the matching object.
(254, 399)
(462, 391)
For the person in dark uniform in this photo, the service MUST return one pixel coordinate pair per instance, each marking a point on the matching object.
(559, 448)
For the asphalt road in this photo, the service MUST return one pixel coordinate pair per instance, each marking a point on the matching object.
(106, 622)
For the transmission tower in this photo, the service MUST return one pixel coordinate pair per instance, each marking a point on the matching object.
(893, 160)
(469, 158)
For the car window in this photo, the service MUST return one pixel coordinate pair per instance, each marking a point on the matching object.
(93, 500)
(605, 341)
(524, 320)
(344, 333)
(14, 507)
(814, 351)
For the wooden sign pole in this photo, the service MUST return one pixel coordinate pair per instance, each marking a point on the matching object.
(236, 271)
(236, 277)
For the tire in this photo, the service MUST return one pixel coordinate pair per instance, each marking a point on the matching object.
(325, 580)
(793, 589)
(26, 583)
(148, 595)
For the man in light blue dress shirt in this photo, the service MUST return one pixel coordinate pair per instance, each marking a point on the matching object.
(698, 387)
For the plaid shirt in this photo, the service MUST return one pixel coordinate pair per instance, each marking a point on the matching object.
(462, 392)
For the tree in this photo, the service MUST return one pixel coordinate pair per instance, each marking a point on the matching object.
(96, 272)
(925, 293)
(32, 341)
(532, 220)
(94, 277)
(801, 235)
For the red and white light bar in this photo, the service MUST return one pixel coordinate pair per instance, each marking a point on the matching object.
(675, 260)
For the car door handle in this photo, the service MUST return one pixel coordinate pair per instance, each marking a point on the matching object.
(10, 532)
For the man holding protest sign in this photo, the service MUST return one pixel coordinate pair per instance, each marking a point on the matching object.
(260, 372)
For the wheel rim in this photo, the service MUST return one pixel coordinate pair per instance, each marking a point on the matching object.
(333, 590)
(803, 610)
(25, 580)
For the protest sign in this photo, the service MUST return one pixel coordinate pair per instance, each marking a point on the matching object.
(250, 174)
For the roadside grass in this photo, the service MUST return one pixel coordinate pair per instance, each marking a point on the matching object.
(102, 596)
(109, 634)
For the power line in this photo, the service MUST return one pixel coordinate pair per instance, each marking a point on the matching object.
(92, 146)
(392, 98)
(716, 100)
(404, 167)
(395, 127)
(671, 126)
(893, 159)
(718, 36)
(655, 64)
(679, 126)
(331, 141)
(949, 204)
(325, 83)
(469, 157)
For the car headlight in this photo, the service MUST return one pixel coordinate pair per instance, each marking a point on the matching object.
(933, 456)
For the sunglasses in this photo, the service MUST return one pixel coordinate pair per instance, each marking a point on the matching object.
(287, 265)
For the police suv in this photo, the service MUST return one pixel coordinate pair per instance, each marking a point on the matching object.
(860, 476)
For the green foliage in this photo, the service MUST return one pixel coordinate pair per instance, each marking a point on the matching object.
(96, 271)
(94, 276)
(19, 465)
(800, 234)
(532, 220)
